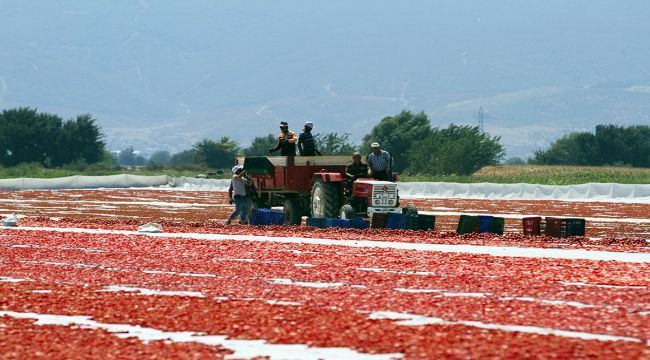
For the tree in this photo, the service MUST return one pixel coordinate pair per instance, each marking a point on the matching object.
(216, 155)
(260, 145)
(515, 160)
(334, 144)
(127, 157)
(578, 148)
(29, 136)
(460, 150)
(182, 158)
(398, 134)
(160, 158)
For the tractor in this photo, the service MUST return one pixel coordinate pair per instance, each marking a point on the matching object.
(316, 186)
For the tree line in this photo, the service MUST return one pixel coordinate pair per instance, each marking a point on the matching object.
(27, 136)
(607, 145)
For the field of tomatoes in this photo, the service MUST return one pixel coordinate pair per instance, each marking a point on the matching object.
(78, 281)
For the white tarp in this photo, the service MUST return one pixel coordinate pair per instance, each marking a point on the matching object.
(85, 182)
(189, 183)
(584, 192)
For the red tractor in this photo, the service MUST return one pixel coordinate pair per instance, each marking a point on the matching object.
(316, 186)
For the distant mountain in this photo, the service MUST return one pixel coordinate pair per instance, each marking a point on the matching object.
(163, 75)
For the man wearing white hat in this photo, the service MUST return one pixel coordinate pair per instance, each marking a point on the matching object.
(379, 163)
(306, 141)
(237, 194)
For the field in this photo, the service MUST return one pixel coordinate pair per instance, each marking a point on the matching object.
(78, 281)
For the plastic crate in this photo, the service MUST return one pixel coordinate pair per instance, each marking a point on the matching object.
(497, 225)
(261, 216)
(277, 217)
(316, 222)
(379, 220)
(426, 222)
(575, 227)
(342, 223)
(359, 224)
(467, 224)
(396, 221)
(485, 223)
(531, 226)
(329, 222)
(555, 227)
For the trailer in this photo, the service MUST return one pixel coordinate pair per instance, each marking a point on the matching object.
(316, 186)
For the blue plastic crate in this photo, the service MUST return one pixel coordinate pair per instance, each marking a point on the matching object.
(261, 216)
(396, 221)
(342, 223)
(485, 223)
(329, 222)
(316, 222)
(277, 217)
(359, 224)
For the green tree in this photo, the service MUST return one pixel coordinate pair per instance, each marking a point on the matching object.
(127, 157)
(579, 148)
(460, 150)
(182, 158)
(398, 135)
(216, 155)
(160, 158)
(334, 144)
(260, 145)
(81, 139)
(28, 136)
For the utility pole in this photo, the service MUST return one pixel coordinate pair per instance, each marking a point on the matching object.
(481, 118)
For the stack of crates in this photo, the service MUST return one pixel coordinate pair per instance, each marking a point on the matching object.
(261, 216)
(490, 224)
(564, 227)
(426, 222)
(498, 225)
(532, 225)
(467, 224)
(396, 221)
(379, 220)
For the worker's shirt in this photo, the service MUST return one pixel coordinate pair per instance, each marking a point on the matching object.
(379, 162)
(287, 143)
(238, 186)
(357, 171)
(306, 144)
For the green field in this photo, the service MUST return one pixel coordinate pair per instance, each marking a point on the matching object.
(545, 174)
(505, 174)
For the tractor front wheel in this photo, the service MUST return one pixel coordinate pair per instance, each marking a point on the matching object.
(347, 212)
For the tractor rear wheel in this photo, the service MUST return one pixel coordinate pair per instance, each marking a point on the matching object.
(292, 211)
(325, 199)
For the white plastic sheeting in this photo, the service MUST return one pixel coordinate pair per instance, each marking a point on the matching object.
(189, 183)
(85, 182)
(583, 192)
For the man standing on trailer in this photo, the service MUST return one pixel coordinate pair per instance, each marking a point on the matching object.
(286, 141)
(379, 163)
(306, 141)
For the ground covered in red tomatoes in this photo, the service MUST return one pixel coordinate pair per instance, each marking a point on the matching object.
(84, 293)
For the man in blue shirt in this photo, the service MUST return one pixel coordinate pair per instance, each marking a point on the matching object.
(379, 163)
(306, 141)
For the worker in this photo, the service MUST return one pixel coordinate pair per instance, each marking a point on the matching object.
(306, 141)
(237, 195)
(356, 169)
(379, 163)
(286, 141)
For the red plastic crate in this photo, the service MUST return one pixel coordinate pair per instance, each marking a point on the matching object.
(555, 227)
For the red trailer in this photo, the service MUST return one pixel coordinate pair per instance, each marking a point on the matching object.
(316, 186)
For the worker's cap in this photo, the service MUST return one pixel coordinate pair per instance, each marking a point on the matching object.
(309, 124)
(283, 124)
(236, 168)
(356, 154)
(374, 145)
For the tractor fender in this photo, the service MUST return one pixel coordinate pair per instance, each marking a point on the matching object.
(326, 177)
